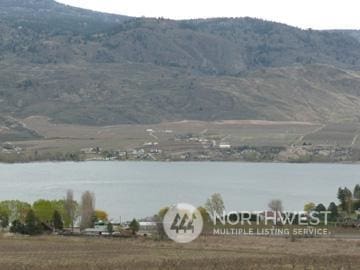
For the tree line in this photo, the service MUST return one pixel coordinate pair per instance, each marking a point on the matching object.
(50, 215)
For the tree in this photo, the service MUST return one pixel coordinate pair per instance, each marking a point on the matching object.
(333, 209)
(357, 192)
(101, 215)
(32, 224)
(87, 210)
(320, 208)
(204, 214)
(70, 207)
(163, 212)
(341, 198)
(16, 210)
(309, 207)
(57, 221)
(17, 227)
(4, 218)
(43, 209)
(159, 218)
(345, 197)
(276, 206)
(134, 226)
(215, 205)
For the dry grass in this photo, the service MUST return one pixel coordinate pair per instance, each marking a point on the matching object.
(206, 253)
(67, 138)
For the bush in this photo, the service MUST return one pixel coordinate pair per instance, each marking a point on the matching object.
(17, 227)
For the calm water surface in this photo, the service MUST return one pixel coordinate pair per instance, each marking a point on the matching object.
(139, 189)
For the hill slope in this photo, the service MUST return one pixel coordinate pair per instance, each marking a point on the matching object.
(84, 67)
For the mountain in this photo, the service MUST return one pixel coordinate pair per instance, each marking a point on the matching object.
(353, 33)
(51, 18)
(83, 67)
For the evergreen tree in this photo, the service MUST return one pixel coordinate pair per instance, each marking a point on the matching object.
(57, 221)
(320, 208)
(134, 226)
(357, 192)
(32, 224)
(334, 211)
(345, 197)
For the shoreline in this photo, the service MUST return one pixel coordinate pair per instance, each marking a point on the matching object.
(181, 161)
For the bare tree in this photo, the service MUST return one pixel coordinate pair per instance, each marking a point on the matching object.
(87, 210)
(276, 206)
(215, 204)
(70, 208)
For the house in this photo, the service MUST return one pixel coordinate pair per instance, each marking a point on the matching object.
(100, 227)
(224, 145)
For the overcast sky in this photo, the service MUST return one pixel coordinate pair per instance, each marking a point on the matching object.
(317, 14)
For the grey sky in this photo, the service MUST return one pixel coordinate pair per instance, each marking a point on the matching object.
(317, 14)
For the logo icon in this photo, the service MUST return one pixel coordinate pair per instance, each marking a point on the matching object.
(183, 223)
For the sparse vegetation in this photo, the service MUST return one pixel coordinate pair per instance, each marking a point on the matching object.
(99, 69)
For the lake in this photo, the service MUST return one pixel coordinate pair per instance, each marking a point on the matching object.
(140, 189)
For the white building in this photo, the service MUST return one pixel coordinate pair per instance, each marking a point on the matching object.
(224, 145)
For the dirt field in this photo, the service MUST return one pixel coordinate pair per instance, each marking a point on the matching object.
(205, 253)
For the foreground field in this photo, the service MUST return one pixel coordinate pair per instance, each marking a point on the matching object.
(206, 253)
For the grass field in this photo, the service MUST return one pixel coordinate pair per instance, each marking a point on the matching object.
(58, 253)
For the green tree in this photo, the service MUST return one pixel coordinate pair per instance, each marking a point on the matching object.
(4, 218)
(309, 207)
(32, 224)
(345, 197)
(356, 205)
(134, 226)
(205, 215)
(57, 221)
(357, 192)
(43, 210)
(320, 208)
(159, 222)
(334, 211)
(163, 212)
(16, 210)
(17, 227)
